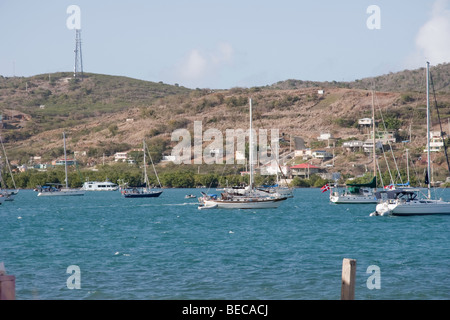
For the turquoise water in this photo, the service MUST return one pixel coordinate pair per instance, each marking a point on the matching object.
(165, 248)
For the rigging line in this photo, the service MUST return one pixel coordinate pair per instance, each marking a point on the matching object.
(387, 164)
(154, 169)
(440, 124)
(379, 172)
(7, 162)
(271, 149)
(390, 146)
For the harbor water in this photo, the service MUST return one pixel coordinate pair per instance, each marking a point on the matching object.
(166, 249)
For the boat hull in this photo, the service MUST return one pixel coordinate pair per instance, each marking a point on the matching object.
(353, 199)
(421, 207)
(206, 207)
(142, 195)
(245, 204)
(62, 192)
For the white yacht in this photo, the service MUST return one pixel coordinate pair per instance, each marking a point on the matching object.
(99, 186)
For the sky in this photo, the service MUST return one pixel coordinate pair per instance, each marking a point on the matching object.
(221, 44)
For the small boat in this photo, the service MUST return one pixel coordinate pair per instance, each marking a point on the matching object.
(140, 193)
(210, 206)
(190, 196)
(9, 194)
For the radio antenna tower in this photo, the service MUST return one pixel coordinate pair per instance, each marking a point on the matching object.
(78, 68)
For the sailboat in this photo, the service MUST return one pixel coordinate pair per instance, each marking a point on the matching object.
(250, 197)
(403, 202)
(146, 191)
(359, 193)
(8, 195)
(59, 190)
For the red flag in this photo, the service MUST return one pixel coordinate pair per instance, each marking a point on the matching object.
(325, 188)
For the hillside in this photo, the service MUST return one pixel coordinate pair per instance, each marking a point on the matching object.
(404, 81)
(106, 114)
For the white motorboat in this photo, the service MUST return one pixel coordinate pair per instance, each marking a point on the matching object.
(205, 207)
(99, 186)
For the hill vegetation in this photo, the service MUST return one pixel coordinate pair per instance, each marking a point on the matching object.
(404, 81)
(104, 114)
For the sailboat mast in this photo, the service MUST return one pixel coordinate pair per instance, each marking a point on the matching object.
(251, 146)
(145, 165)
(65, 159)
(428, 132)
(407, 164)
(373, 142)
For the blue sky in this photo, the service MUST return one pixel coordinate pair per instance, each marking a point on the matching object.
(225, 44)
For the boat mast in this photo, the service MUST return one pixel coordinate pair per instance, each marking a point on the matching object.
(428, 133)
(407, 163)
(65, 158)
(373, 142)
(145, 166)
(251, 147)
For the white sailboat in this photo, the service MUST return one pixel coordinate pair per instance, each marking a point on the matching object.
(6, 194)
(359, 193)
(64, 190)
(250, 197)
(405, 202)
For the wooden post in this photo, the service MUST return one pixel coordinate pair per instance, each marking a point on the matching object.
(348, 279)
(7, 287)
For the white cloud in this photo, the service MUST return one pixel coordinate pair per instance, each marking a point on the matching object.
(199, 68)
(194, 66)
(433, 38)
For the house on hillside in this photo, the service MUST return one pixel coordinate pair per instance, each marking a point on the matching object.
(120, 156)
(436, 142)
(304, 153)
(353, 145)
(304, 170)
(382, 138)
(322, 155)
(273, 168)
(327, 137)
(60, 162)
